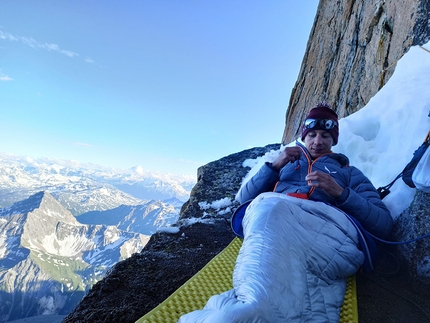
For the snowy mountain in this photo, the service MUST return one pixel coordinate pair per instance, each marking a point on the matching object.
(64, 224)
(48, 259)
(85, 187)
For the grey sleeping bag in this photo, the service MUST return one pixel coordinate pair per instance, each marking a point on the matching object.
(292, 267)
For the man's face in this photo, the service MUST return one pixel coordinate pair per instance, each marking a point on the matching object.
(318, 142)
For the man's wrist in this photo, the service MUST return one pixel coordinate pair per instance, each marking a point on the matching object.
(272, 167)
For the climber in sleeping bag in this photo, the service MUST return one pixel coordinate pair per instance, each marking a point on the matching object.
(300, 244)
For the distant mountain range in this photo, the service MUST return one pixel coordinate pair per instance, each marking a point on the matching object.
(64, 224)
(86, 187)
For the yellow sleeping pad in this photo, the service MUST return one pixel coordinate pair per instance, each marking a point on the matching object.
(215, 278)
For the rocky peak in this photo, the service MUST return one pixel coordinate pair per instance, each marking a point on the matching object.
(35, 218)
(40, 207)
(49, 207)
(46, 219)
(24, 206)
(49, 259)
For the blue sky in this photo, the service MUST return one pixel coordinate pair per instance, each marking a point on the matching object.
(167, 85)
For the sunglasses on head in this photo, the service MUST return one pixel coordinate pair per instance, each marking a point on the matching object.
(326, 124)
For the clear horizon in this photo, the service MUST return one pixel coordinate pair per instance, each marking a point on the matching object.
(167, 86)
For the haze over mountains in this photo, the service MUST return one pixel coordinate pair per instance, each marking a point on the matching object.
(64, 224)
(86, 187)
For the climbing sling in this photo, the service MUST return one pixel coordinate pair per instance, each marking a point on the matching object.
(407, 174)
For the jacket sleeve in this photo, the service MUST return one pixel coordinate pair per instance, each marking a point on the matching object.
(362, 201)
(263, 181)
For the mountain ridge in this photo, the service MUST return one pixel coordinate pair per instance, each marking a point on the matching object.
(85, 187)
(46, 256)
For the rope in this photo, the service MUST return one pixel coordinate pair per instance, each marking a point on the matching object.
(384, 70)
(428, 51)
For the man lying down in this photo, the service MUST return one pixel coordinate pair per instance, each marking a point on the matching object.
(301, 240)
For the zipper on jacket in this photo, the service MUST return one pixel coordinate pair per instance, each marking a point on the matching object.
(310, 164)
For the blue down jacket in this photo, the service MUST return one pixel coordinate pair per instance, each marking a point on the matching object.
(359, 198)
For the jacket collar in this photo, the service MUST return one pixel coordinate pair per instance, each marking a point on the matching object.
(340, 158)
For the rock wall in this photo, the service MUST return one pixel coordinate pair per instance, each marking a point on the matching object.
(352, 52)
(218, 180)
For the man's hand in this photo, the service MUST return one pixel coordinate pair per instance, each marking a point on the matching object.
(325, 182)
(289, 154)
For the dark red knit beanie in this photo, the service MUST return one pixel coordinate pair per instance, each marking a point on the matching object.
(323, 111)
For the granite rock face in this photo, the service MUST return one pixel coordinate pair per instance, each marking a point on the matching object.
(220, 179)
(351, 53)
